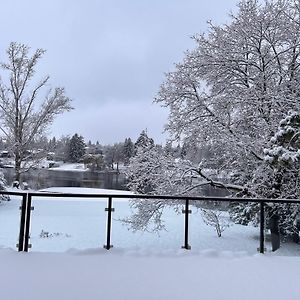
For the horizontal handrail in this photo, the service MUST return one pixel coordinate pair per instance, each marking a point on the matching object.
(21, 194)
(146, 196)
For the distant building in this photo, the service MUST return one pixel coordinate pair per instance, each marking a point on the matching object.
(5, 154)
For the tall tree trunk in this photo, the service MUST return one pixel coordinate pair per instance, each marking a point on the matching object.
(17, 167)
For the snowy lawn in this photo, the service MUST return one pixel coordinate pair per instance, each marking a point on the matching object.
(116, 274)
(141, 266)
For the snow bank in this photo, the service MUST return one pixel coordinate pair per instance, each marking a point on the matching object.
(116, 274)
(80, 190)
(70, 167)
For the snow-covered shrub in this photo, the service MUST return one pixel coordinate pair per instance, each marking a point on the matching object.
(216, 219)
(277, 177)
(3, 188)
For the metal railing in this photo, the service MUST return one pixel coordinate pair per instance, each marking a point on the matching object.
(26, 208)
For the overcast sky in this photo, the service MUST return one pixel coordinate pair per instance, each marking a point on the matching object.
(110, 56)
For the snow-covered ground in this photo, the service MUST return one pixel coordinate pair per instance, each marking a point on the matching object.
(70, 167)
(145, 275)
(141, 265)
(44, 164)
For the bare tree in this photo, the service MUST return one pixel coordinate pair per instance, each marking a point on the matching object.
(25, 113)
(215, 219)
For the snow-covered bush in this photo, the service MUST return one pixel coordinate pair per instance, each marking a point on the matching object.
(215, 219)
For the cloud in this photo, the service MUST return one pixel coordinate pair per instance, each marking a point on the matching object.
(113, 122)
(109, 55)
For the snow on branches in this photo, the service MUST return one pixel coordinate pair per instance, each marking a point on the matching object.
(25, 112)
(216, 219)
(241, 79)
(285, 144)
(277, 177)
(230, 93)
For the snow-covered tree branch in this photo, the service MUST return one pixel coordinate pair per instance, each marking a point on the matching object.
(230, 93)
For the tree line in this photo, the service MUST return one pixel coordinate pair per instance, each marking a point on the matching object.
(96, 156)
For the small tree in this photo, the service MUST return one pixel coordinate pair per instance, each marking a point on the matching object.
(215, 219)
(25, 113)
(128, 150)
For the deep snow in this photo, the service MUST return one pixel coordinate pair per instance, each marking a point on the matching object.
(141, 266)
(115, 274)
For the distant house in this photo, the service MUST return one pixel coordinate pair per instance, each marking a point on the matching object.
(5, 154)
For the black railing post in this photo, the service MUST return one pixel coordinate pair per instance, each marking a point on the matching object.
(27, 223)
(186, 212)
(262, 228)
(109, 210)
(22, 222)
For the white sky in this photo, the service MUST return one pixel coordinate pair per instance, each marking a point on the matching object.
(109, 55)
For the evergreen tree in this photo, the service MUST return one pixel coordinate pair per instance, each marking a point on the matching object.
(184, 150)
(177, 152)
(143, 141)
(52, 144)
(76, 148)
(128, 150)
(169, 149)
(278, 177)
